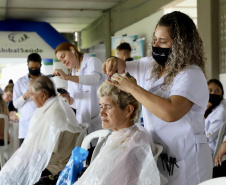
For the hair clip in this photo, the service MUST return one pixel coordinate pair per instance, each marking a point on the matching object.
(127, 74)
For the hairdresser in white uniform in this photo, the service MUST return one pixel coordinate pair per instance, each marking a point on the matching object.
(171, 86)
(85, 76)
(215, 114)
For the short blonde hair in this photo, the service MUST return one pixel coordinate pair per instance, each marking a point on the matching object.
(9, 88)
(121, 98)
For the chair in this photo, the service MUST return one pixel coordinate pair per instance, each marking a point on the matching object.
(215, 181)
(221, 134)
(102, 136)
(5, 147)
(82, 135)
(158, 149)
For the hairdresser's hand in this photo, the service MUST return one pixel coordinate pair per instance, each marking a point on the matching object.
(220, 154)
(60, 73)
(65, 95)
(113, 65)
(110, 66)
(124, 83)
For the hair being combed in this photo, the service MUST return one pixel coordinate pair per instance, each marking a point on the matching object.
(121, 98)
(187, 47)
(43, 84)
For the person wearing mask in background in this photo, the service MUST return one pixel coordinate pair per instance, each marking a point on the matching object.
(8, 97)
(215, 114)
(84, 78)
(21, 100)
(171, 86)
(124, 51)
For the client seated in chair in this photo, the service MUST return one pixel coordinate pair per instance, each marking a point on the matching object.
(51, 137)
(127, 156)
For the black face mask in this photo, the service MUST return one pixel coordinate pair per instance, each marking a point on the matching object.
(35, 72)
(160, 55)
(215, 99)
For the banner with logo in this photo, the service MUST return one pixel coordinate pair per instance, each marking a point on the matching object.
(21, 44)
(136, 44)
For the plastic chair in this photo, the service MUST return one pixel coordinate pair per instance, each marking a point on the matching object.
(102, 136)
(215, 181)
(159, 149)
(221, 134)
(5, 147)
(82, 135)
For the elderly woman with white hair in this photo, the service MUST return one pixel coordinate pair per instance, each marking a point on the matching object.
(50, 140)
(127, 156)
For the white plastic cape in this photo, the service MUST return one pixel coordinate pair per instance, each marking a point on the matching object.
(28, 162)
(126, 159)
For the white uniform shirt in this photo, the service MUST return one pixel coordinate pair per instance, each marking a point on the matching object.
(213, 123)
(86, 101)
(26, 107)
(184, 139)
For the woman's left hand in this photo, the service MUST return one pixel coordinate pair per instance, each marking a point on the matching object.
(124, 83)
(220, 154)
(60, 73)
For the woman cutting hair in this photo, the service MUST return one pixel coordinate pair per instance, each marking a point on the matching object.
(51, 137)
(171, 86)
(84, 78)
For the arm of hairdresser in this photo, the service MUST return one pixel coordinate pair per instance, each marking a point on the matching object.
(18, 97)
(169, 110)
(91, 80)
(221, 153)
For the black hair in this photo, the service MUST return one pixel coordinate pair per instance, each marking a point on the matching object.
(218, 83)
(10, 81)
(34, 57)
(124, 46)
